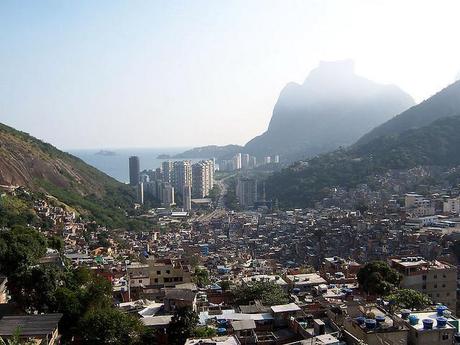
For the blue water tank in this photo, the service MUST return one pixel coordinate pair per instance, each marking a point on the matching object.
(370, 323)
(379, 319)
(440, 310)
(405, 314)
(222, 323)
(360, 320)
(441, 322)
(413, 320)
(427, 323)
(457, 337)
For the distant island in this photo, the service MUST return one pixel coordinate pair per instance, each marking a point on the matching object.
(106, 153)
(163, 156)
(211, 151)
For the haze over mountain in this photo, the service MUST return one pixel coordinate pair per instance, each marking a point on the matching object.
(426, 134)
(443, 104)
(332, 108)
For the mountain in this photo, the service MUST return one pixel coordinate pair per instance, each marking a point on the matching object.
(303, 183)
(211, 151)
(444, 104)
(38, 166)
(332, 108)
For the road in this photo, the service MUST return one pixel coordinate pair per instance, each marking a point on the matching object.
(220, 210)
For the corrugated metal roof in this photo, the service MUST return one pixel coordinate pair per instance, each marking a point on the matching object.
(29, 324)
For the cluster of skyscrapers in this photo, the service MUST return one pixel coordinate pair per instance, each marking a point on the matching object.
(179, 178)
(244, 161)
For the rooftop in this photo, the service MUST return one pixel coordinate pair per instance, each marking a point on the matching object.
(285, 308)
(30, 325)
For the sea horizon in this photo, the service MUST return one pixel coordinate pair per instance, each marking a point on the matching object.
(114, 162)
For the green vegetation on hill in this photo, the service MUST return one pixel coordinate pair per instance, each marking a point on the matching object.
(306, 182)
(445, 103)
(211, 151)
(40, 167)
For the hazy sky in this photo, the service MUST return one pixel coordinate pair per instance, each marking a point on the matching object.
(101, 74)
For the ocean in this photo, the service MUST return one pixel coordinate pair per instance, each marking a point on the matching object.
(116, 164)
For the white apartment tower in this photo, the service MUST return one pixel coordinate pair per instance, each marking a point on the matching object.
(182, 175)
(202, 178)
(167, 171)
(246, 191)
(237, 161)
(245, 161)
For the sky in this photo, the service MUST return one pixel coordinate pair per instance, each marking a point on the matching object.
(115, 74)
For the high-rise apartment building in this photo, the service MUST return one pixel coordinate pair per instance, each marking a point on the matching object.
(202, 178)
(246, 191)
(267, 160)
(277, 159)
(166, 194)
(187, 198)
(182, 175)
(140, 193)
(237, 161)
(245, 161)
(134, 170)
(167, 171)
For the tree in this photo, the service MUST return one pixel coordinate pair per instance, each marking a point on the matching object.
(20, 248)
(182, 326)
(204, 332)
(110, 326)
(201, 277)
(409, 299)
(55, 242)
(268, 293)
(15, 339)
(225, 285)
(377, 278)
(34, 288)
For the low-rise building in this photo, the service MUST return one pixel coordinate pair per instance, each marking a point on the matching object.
(430, 327)
(305, 282)
(435, 278)
(275, 279)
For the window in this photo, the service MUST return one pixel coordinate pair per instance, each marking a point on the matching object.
(437, 295)
(424, 277)
(447, 294)
(424, 287)
(156, 280)
(444, 275)
(140, 280)
(445, 336)
(159, 273)
(443, 285)
(435, 286)
(168, 271)
(435, 276)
